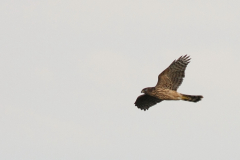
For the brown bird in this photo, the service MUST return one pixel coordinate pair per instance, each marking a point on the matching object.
(166, 89)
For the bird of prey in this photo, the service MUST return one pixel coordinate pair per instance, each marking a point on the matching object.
(166, 89)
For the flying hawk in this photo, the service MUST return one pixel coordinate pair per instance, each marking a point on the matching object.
(166, 89)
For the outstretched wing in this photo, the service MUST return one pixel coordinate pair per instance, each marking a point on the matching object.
(172, 77)
(145, 101)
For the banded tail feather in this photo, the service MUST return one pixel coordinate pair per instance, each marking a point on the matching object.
(191, 98)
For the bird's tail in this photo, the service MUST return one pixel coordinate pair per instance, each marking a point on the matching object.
(191, 98)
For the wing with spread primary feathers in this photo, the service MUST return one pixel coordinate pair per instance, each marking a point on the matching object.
(172, 77)
(145, 101)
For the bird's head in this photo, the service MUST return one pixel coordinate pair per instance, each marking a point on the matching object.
(148, 90)
(144, 90)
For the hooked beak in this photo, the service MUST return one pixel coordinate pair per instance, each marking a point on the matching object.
(142, 91)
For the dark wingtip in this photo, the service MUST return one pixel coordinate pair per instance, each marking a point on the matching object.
(140, 107)
(144, 102)
(186, 58)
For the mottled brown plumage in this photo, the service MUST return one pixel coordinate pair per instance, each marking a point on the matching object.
(166, 89)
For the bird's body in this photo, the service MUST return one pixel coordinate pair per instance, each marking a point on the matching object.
(166, 89)
(163, 93)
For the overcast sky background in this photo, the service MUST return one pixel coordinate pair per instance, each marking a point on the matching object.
(72, 70)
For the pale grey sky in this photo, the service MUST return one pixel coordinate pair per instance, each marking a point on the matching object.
(71, 71)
